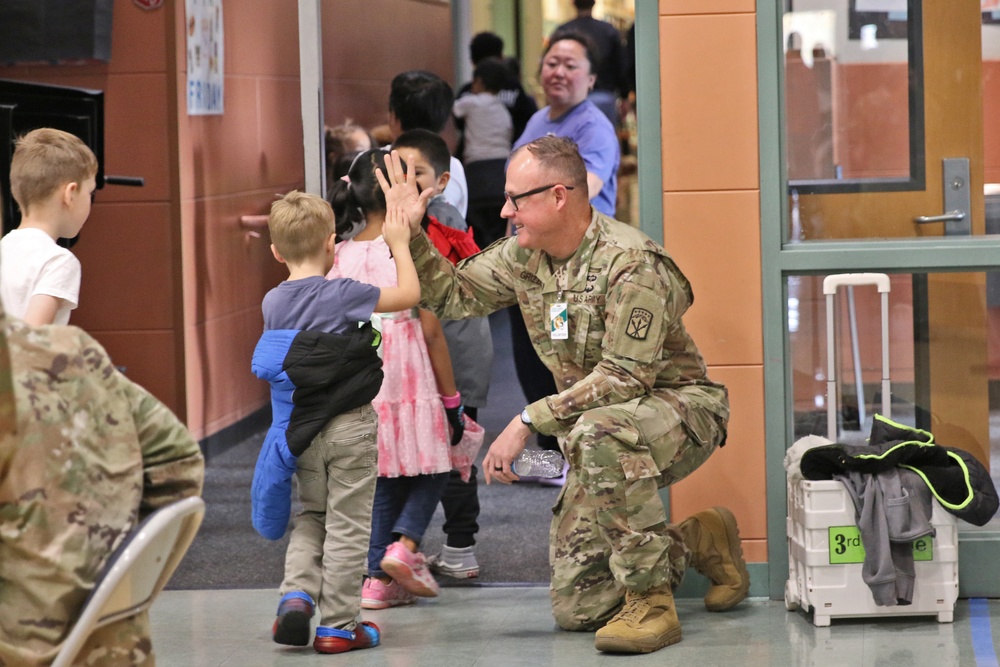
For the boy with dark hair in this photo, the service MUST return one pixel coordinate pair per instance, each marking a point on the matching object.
(432, 152)
(420, 100)
(470, 345)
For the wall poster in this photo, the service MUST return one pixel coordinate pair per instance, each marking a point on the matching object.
(205, 72)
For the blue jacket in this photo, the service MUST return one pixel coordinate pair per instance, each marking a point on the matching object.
(314, 377)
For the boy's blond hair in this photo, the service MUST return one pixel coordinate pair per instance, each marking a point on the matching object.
(300, 223)
(46, 159)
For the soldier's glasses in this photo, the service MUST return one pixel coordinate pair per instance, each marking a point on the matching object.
(513, 198)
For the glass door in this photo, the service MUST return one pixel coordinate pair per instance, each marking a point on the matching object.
(888, 159)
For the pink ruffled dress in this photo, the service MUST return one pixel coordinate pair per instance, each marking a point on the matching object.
(413, 434)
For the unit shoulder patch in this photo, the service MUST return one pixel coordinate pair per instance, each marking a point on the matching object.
(638, 323)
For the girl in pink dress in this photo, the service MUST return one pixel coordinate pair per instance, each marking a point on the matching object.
(419, 409)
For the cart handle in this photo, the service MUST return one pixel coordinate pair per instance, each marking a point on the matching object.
(831, 283)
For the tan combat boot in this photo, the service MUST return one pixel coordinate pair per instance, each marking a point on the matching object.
(716, 552)
(646, 623)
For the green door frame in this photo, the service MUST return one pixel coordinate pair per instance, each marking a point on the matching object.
(647, 112)
(977, 552)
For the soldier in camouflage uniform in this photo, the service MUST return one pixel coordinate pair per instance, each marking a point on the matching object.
(85, 454)
(636, 410)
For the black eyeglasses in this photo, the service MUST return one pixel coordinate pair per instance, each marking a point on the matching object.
(513, 198)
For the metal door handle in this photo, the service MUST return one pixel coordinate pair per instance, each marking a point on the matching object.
(950, 216)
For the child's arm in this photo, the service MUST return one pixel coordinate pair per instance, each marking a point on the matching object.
(444, 375)
(396, 233)
(437, 349)
(42, 309)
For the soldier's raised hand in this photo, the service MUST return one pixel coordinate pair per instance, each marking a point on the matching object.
(401, 190)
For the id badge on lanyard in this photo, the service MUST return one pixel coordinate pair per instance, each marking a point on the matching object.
(559, 321)
(559, 311)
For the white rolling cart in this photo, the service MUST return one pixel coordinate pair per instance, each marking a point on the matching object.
(824, 545)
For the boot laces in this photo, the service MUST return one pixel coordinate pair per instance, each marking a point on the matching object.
(634, 610)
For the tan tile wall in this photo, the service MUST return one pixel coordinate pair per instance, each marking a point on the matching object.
(129, 249)
(711, 226)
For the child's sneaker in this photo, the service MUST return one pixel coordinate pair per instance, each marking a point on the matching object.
(333, 640)
(410, 570)
(455, 562)
(292, 625)
(376, 595)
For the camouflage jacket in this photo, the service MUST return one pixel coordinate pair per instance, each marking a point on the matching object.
(625, 299)
(91, 453)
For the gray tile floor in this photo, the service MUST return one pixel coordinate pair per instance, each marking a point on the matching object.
(511, 626)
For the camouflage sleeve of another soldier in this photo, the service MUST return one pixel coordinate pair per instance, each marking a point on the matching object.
(86, 454)
(173, 465)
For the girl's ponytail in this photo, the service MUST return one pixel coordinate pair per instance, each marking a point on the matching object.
(361, 194)
(346, 210)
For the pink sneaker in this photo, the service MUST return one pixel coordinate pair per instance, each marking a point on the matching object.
(410, 570)
(376, 595)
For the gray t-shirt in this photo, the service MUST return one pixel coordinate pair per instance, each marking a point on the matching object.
(317, 304)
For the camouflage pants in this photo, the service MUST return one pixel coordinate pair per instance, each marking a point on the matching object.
(609, 531)
(124, 643)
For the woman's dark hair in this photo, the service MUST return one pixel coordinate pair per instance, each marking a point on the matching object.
(362, 194)
(589, 50)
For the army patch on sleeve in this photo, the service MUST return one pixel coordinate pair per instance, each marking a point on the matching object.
(638, 323)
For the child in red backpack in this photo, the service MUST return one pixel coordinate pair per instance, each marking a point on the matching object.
(469, 341)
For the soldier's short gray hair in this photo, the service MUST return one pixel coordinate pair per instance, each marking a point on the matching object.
(562, 156)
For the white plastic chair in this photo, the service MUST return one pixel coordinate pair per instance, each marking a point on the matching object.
(136, 572)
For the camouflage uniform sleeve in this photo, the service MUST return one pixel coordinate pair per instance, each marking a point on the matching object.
(173, 466)
(478, 286)
(7, 410)
(644, 306)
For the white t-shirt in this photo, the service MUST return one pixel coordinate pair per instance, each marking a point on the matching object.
(32, 263)
(488, 127)
(456, 192)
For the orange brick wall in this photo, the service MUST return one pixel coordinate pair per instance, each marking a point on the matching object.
(233, 165)
(711, 226)
(129, 248)
(171, 283)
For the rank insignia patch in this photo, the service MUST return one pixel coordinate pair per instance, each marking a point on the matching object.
(638, 323)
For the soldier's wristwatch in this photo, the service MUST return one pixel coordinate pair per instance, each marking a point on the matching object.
(526, 420)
